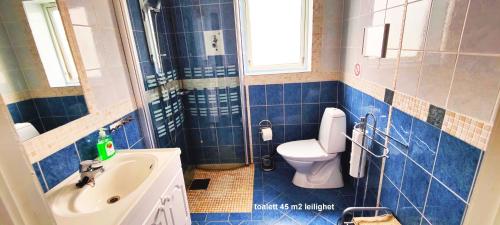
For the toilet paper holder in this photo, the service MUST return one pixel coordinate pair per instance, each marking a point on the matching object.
(267, 160)
(265, 124)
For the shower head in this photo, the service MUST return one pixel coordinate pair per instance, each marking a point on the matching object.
(154, 5)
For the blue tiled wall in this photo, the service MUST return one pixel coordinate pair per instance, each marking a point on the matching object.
(48, 113)
(213, 125)
(431, 180)
(190, 19)
(294, 109)
(58, 166)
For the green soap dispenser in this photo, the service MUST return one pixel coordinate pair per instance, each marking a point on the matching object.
(105, 146)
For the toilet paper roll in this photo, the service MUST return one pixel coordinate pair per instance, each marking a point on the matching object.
(267, 134)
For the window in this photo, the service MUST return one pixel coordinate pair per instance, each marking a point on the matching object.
(276, 36)
(52, 43)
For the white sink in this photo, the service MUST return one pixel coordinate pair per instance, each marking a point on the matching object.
(127, 176)
(121, 177)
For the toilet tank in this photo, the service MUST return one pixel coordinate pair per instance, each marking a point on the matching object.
(333, 124)
(26, 131)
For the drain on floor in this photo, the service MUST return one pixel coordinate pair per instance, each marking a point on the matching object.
(199, 184)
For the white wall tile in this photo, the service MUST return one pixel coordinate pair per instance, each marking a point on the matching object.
(475, 87)
(394, 17)
(482, 27)
(415, 28)
(410, 64)
(435, 80)
(445, 25)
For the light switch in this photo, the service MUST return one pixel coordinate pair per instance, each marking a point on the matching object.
(214, 42)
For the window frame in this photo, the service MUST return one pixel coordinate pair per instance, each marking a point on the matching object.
(306, 43)
(70, 77)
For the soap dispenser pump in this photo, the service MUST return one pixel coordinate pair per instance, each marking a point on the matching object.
(105, 147)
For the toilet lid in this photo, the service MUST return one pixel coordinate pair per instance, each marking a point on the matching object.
(304, 150)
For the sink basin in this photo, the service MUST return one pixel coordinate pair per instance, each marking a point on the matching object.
(126, 178)
(114, 184)
(121, 177)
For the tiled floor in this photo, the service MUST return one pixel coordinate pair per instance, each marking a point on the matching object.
(229, 191)
(276, 188)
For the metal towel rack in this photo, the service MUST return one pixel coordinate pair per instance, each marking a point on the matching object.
(363, 124)
(351, 210)
(386, 154)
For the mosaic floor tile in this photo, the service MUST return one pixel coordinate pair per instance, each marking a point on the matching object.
(277, 188)
(228, 191)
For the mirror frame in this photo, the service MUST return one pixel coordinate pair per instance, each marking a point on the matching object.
(82, 76)
(50, 142)
(77, 58)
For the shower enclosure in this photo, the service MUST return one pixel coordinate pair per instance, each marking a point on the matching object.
(191, 96)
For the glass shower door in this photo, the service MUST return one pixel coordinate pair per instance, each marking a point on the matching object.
(213, 125)
(194, 98)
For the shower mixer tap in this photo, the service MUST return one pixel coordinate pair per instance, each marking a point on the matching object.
(214, 42)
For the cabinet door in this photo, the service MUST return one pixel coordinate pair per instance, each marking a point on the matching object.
(176, 206)
(157, 216)
(161, 219)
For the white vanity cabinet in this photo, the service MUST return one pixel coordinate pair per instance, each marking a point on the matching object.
(165, 201)
(157, 216)
(149, 184)
(176, 204)
(172, 208)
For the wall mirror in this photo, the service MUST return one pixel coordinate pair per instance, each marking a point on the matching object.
(39, 80)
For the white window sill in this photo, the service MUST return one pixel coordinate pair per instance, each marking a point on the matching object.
(276, 72)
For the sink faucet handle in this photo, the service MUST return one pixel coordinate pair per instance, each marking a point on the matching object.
(86, 165)
(96, 164)
(89, 165)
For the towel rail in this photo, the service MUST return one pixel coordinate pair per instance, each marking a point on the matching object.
(387, 135)
(371, 138)
(386, 155)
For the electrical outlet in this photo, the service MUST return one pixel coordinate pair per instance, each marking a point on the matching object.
(214, 42)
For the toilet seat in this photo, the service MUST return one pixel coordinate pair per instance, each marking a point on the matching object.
(305, 151)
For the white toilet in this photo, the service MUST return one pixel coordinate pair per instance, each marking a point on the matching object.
(318, 161)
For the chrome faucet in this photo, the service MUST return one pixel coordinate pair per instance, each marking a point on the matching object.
(88, 171)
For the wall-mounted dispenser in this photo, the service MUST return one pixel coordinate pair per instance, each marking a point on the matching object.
(375, 41)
